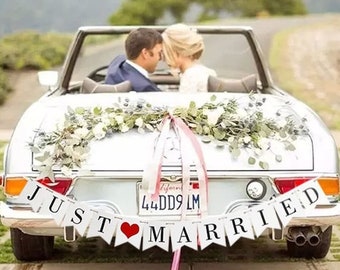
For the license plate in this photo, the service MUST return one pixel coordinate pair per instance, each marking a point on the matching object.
(170, 200)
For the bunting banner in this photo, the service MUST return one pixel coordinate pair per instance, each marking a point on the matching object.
(198, 232)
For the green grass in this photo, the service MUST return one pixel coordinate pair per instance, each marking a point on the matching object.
(3, 230)
(6, 254)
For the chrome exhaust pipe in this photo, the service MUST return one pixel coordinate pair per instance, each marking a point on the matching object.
(300, 239)
(313, 238)
(297, 237)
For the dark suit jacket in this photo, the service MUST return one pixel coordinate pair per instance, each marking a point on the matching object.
(120, 71)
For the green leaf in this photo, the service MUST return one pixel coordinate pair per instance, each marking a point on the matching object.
(206, 130)
(79, 110)
(251, 160)
(43, 157)
(199, 129)
(97, 110)
(290, 146)
(219, 134)
(235, 153)
(70, 110)
(282, 134)
(192, 109)
(141, 130)
(278, 158)
(213, 98)
(192, 125)
(35, 150)
(264, 165)
(130, 123)
(149, 127)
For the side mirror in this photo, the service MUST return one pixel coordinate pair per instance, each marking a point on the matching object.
(48, 78)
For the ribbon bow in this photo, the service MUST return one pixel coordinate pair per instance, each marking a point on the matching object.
(190, 149)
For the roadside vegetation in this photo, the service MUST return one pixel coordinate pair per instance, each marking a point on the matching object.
(150, 12)
(30, 50)
(5, 88)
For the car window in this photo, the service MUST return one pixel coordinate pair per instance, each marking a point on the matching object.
(228, 54)
(96, 53)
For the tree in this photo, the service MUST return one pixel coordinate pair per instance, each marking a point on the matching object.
(252, 8)
(287, 7)
(149, 12)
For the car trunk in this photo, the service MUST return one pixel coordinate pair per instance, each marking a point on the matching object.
(131, 151)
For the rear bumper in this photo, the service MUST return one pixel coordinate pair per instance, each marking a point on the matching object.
(30, 222)
(35, 223)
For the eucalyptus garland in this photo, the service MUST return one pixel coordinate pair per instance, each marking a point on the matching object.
(224, 123)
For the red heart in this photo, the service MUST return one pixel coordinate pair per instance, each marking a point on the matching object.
(129, 230)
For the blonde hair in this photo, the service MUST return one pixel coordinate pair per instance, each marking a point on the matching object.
(180, 39)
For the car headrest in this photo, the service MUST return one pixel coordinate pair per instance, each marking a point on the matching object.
(244, 85)
(90, 86)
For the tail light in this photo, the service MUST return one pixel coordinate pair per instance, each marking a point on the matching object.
(14, 185)
(330, 185)
(60, 185)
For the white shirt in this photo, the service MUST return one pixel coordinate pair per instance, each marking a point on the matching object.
(195, 79)
(139, 68)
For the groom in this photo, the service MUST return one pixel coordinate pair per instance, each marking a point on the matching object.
(143, 48)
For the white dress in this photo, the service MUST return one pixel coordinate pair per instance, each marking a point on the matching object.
(195, 79)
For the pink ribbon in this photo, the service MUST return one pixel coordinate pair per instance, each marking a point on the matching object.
(184, 132)
(176, 260)
(200, 163)
(152, 175)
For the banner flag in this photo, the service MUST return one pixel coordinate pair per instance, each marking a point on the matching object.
(78, 215)
(275, 213)
(237, 225)
(156, 233)
(103, 224)
(129, 230)
(55, 205)
(183, 233)
(263, 216)
(287, 206)
(211, 231)
(33, 194)
(311, 194)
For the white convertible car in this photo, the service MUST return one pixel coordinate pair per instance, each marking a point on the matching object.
(245, 159)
